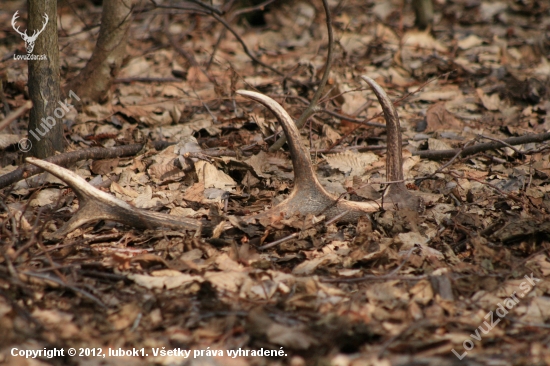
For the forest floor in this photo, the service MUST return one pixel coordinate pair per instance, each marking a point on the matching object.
(465, 282)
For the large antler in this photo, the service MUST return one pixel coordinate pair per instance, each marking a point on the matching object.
(307, 197)
(97, 205)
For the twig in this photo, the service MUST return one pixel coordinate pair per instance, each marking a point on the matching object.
(244, 46)
(445, 154)
(146, 80)
(186, 55)
(210, 8)
(328, 64)
(203, 8)
(502, 142)
(15, 114)
(70, 287)
(337, 217)
(338, 115)
(386, 276)
(65, 159)
(376, 278)
(509, 195)
(231, 18)
(365, 122)
(295, 235)
(447, 164)
(216, 15)
(280, 241)
(51, 262)
(251, 9)
(214, 119)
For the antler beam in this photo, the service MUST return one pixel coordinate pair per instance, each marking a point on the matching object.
(307, 197)
(97, 205)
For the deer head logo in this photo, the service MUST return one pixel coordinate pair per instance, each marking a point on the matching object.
(29, 41)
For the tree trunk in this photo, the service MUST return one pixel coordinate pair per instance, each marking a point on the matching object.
(95, 80)
(424, 10)
(45, 123)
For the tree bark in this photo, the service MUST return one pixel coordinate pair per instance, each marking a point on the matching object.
(96, 78)
(45, 130)
(424, 10)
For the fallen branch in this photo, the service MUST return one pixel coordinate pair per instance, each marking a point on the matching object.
(65, 159)
(446, 154)
(15, 114)
(59, 282)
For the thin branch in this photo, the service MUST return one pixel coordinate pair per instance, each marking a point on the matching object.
(338, 115)
(245, 47)
(446, 154)
(146, 80)
(502, 142)
(28, 170)
(447, 164)
(295, 235)
(70, 287)
(231, 18)
(206, 10)
(280, 241)
(206, 6)
(15, 114)
(386, 276)
(505, 194)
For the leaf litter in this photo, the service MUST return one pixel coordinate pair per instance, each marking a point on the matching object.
(395, 288)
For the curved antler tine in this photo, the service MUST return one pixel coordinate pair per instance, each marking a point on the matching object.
(308, 195)
(304, 176)
(97, 205)
(397, 192)
(394, 160)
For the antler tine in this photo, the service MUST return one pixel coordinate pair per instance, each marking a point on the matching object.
(308, 195)
(304, 176)
(97, 205)
(396, 192)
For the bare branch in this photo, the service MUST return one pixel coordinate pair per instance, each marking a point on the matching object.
(447, 154)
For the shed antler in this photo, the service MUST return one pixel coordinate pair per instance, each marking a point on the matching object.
(307, 197)
(97, 205)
